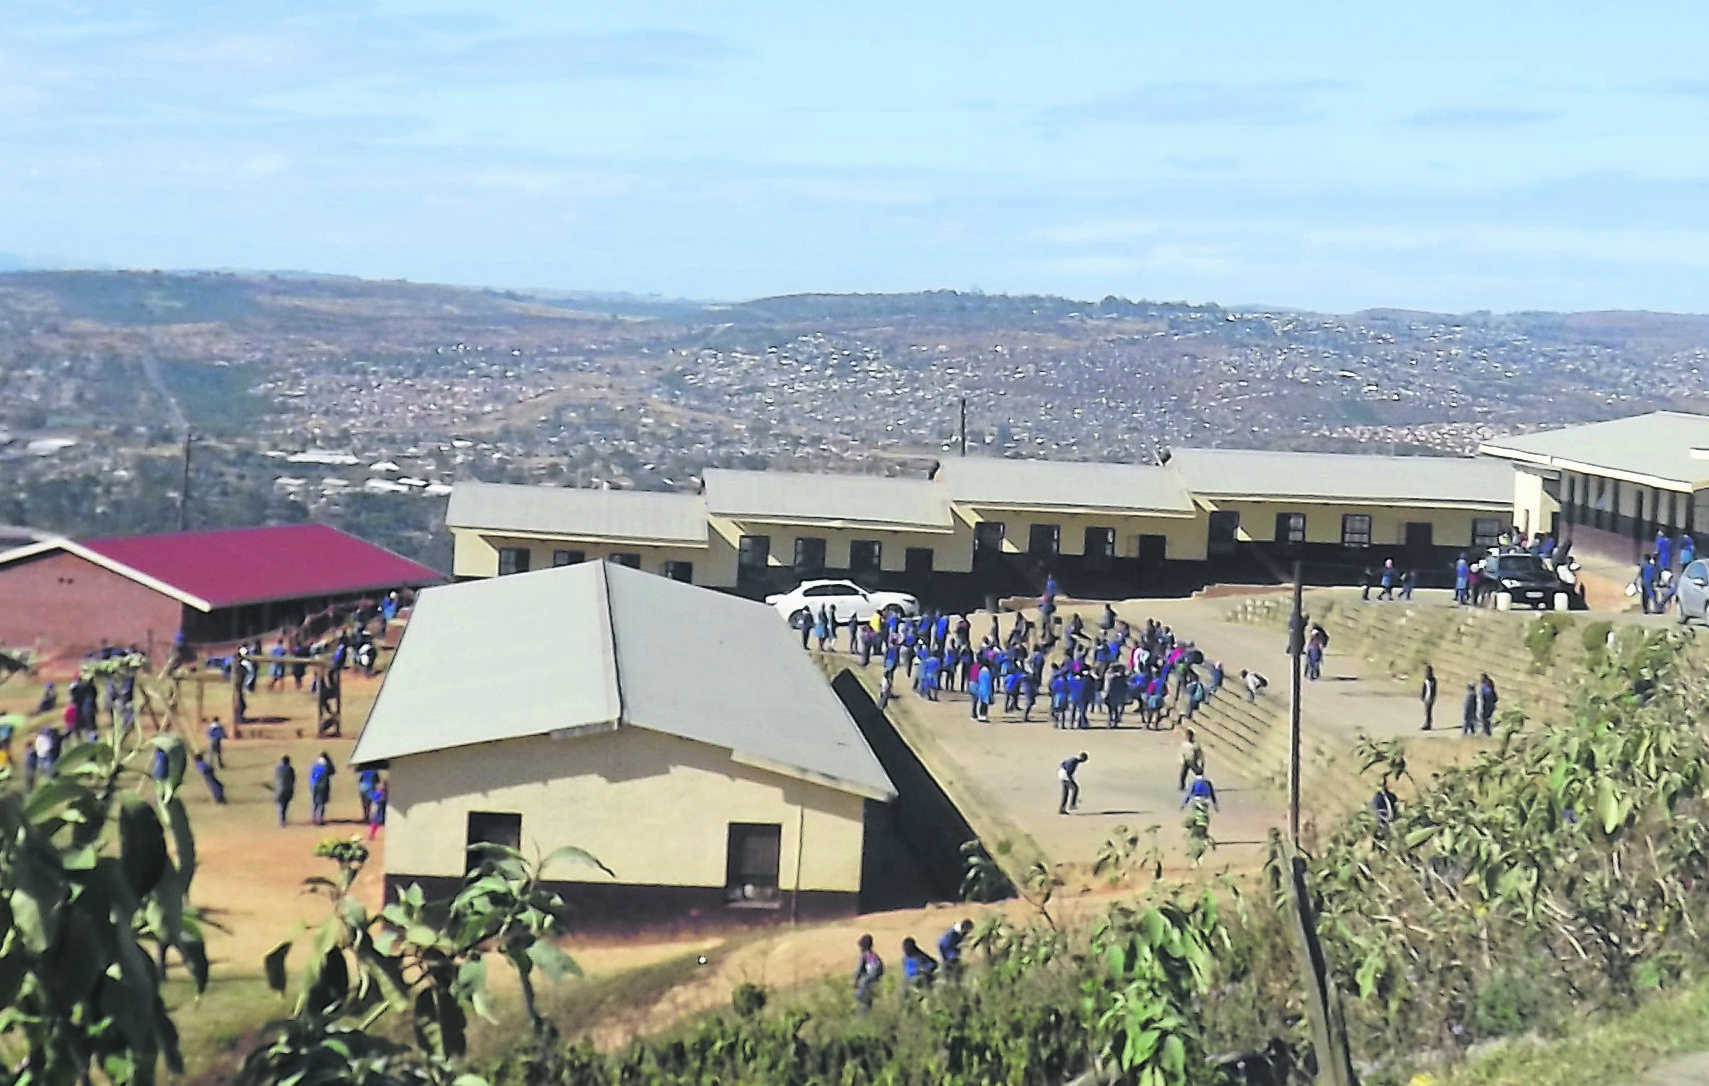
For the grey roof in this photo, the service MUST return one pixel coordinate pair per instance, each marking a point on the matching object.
(1654, 449)
(583, 648)
(829, 499)
(1344, 477)
(1065, 485)
(572, 513)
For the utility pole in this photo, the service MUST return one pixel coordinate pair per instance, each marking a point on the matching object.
(184, 487)
(1296, 649)
(963, 429)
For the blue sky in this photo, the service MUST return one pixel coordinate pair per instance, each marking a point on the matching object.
(1450, 156)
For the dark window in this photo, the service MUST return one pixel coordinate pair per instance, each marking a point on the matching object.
(988, 537)
(1100, 543)
(1485, 531)
(627, 558)
(832, 588)
(1420, 536)
(809, 554)
(751, 864)
(680, 571)
(1224, 528)
(1356, 530)
(753, 554)
(568, 558)
(865, 555)
(492, 828)
(917, 559)
(1153, 550)
(512, 560)
(1044, 540)
(1290, 528)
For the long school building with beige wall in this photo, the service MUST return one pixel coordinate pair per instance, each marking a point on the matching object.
(989, 525)
(722, 782)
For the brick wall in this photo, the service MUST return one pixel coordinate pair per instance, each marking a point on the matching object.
(68, 604)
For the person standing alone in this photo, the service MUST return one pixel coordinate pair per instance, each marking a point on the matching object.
(1070, 787)
(1427, 694)
(1192, 760)
(284, 786)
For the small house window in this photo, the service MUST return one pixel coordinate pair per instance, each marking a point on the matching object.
(1356, 530)
(680, 571)
(1290, 528)
(917, 559)
(751, 865)
(492, 828)
(626, 558)
(512, 560)
(1486, 531)
(568, 558)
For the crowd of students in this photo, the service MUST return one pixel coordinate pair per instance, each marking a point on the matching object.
(1085, 676)
(919, 969)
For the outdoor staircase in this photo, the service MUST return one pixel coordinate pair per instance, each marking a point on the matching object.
(1461, 643)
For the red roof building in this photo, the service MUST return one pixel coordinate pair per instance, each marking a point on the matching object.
(62, 595)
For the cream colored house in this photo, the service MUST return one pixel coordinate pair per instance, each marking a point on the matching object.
(1609, 487)
(678, 734)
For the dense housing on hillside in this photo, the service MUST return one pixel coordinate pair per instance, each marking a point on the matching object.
(1205, 513)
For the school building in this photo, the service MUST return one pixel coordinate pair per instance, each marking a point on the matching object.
(680, 735)
(978, 526)
(1610, 486)
(71, 596)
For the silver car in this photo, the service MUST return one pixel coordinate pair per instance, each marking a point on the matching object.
(1691, 592)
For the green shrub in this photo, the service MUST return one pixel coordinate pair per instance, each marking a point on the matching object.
(1596, 636)
(748, 999)
(1540, 637)
(1516, 1001)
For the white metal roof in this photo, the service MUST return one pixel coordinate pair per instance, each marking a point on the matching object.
(1344, 478)
(595, 647)
(576, 513)
(1653, 450)
(1138, 489)
(828, 499)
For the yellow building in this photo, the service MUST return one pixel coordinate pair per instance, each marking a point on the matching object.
(811, 525)
(1336, 508)
(499, 528)
(981, 524)
(678, 734)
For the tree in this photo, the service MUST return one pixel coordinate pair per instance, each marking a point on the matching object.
(94, 892)
(425, 960)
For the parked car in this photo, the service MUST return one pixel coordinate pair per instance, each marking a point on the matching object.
(1525, 580)
(848, 602)
(1691, 594)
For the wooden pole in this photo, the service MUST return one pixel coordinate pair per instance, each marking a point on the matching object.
(184, 487)
(963, 428)
(1296, 649)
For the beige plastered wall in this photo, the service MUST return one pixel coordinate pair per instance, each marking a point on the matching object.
(952, 552)
(1450, 527)
(1533, 508)
(654, 808)
(475, 554)
(1185, 535)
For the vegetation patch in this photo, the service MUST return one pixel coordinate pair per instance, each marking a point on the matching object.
(1540, 637)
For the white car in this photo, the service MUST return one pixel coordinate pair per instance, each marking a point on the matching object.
(847, 601)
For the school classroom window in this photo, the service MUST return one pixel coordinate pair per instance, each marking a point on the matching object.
(1486, 531)
(512, 560)
(680, 571)
(491, 828)
(917, 559)
(568, 558)
(1356, 530)
(865, 556)
(626, 558)
(753, 553)
(809, 554)
(751, 864)
(1290, 528)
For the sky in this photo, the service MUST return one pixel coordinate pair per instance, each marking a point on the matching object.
(1323, 155)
